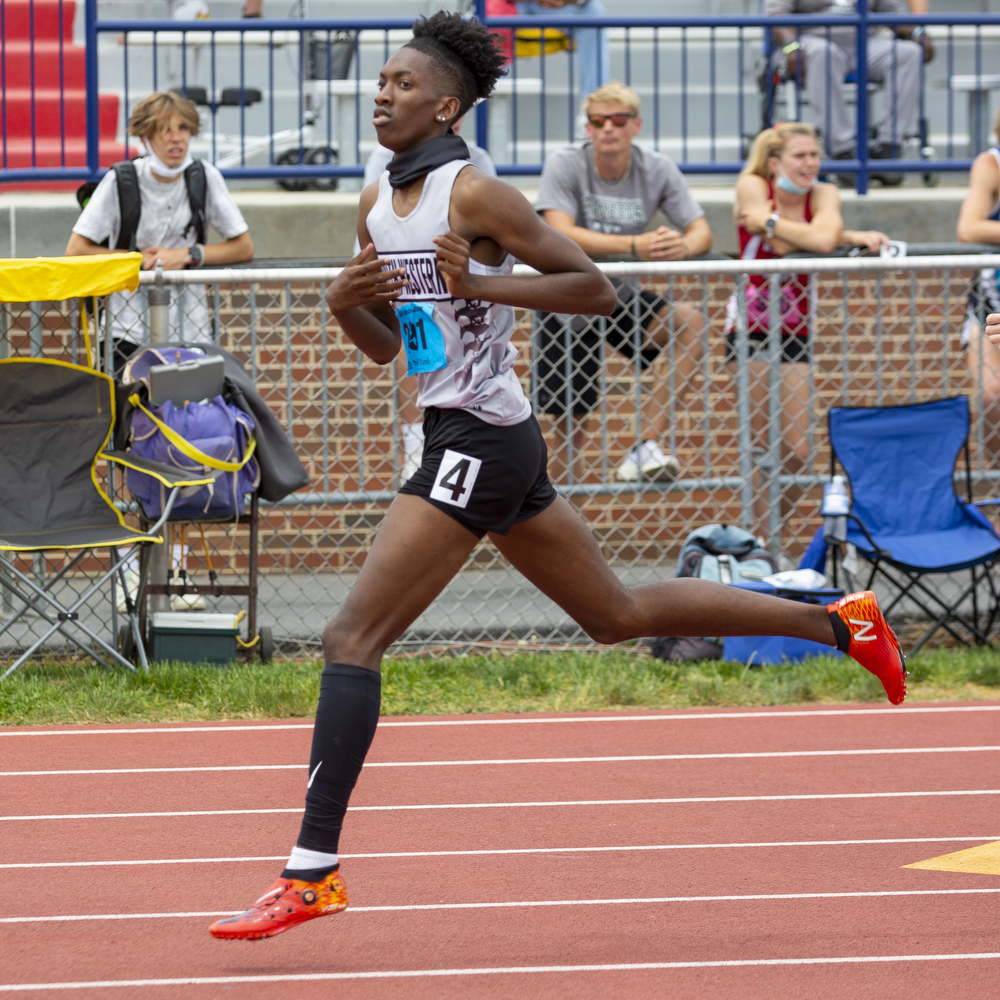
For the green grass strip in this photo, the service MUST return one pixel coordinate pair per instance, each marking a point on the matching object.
(55, 692)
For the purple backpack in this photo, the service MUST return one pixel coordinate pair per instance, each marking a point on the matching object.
(210, 438)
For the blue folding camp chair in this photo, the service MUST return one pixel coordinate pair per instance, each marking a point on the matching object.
(906, 519)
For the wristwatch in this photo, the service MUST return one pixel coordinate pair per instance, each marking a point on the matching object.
(197, 255)
(771, 225)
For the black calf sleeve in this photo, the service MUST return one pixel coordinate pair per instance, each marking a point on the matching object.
(349, 699)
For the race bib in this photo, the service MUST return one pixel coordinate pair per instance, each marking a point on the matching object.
(455, 479)
(422, 338)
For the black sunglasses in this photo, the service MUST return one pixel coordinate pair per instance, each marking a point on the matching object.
(619, 120)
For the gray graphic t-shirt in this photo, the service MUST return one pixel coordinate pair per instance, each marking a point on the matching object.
(571, 184)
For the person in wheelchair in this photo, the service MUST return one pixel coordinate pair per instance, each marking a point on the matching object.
(822, 57)
(781, 208)
(979, 222)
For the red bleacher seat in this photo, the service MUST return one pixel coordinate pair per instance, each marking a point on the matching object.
(42, 132)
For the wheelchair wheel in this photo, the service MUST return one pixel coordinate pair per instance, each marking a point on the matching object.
(266, 644)
(290, 158)
(320, 157)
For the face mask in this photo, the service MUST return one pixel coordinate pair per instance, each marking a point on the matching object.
(161, 169)
(785, 184)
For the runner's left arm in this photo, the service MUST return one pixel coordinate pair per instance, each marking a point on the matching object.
(569, 281)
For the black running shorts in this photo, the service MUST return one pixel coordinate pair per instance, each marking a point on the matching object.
(487, 478)
(583, 352)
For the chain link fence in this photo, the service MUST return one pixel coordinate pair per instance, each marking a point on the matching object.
(725, 368)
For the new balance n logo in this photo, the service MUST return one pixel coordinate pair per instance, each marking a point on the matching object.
(866, 633)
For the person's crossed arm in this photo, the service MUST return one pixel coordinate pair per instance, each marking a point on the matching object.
(663, 243)
(233, 251)
(822, 235)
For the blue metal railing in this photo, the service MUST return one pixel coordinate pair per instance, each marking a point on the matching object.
(307, 119)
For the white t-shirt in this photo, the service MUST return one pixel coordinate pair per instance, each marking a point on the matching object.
(570, 183)
(164, 221)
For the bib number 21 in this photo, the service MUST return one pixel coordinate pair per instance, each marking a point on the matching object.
(455, 478)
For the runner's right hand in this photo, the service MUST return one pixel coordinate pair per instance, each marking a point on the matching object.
(363, 282)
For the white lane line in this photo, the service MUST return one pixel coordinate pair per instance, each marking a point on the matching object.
(649, 900)
(556, 803)
(527, 721)
(739, 845)
(487, 761)
(307, 977)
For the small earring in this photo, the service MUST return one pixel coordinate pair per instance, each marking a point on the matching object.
(440, 118)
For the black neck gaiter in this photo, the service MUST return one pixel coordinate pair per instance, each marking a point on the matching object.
(405, 168)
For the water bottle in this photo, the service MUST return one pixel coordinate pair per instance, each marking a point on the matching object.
(836, 506)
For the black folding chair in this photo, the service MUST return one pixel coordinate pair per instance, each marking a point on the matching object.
(55, 419)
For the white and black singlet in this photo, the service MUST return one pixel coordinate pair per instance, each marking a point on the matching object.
(484, 456)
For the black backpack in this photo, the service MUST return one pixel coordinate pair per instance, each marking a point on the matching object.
(130, 203)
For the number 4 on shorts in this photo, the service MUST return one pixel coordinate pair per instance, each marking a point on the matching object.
(455, 479)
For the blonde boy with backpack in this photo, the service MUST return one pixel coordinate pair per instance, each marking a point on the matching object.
(162, 205)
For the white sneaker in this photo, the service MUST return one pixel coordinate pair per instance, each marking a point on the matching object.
(187, 602)
(655, 466)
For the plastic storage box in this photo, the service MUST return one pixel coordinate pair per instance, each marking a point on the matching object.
(193, 637)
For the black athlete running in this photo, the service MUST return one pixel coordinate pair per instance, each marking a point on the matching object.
(440, 238)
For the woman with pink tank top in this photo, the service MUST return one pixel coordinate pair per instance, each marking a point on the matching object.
(781, 208)
(979, 222)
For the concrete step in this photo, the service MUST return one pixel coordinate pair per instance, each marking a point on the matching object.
(321, 225)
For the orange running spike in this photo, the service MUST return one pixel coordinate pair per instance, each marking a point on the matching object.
(873, 643)
(288, 902)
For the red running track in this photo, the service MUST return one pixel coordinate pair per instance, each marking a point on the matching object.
(683, 854)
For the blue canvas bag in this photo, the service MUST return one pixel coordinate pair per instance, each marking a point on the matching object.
(213, 437)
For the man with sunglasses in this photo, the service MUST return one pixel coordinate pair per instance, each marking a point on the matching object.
(602, 194)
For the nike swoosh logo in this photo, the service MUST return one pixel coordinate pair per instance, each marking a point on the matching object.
(312, 777)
